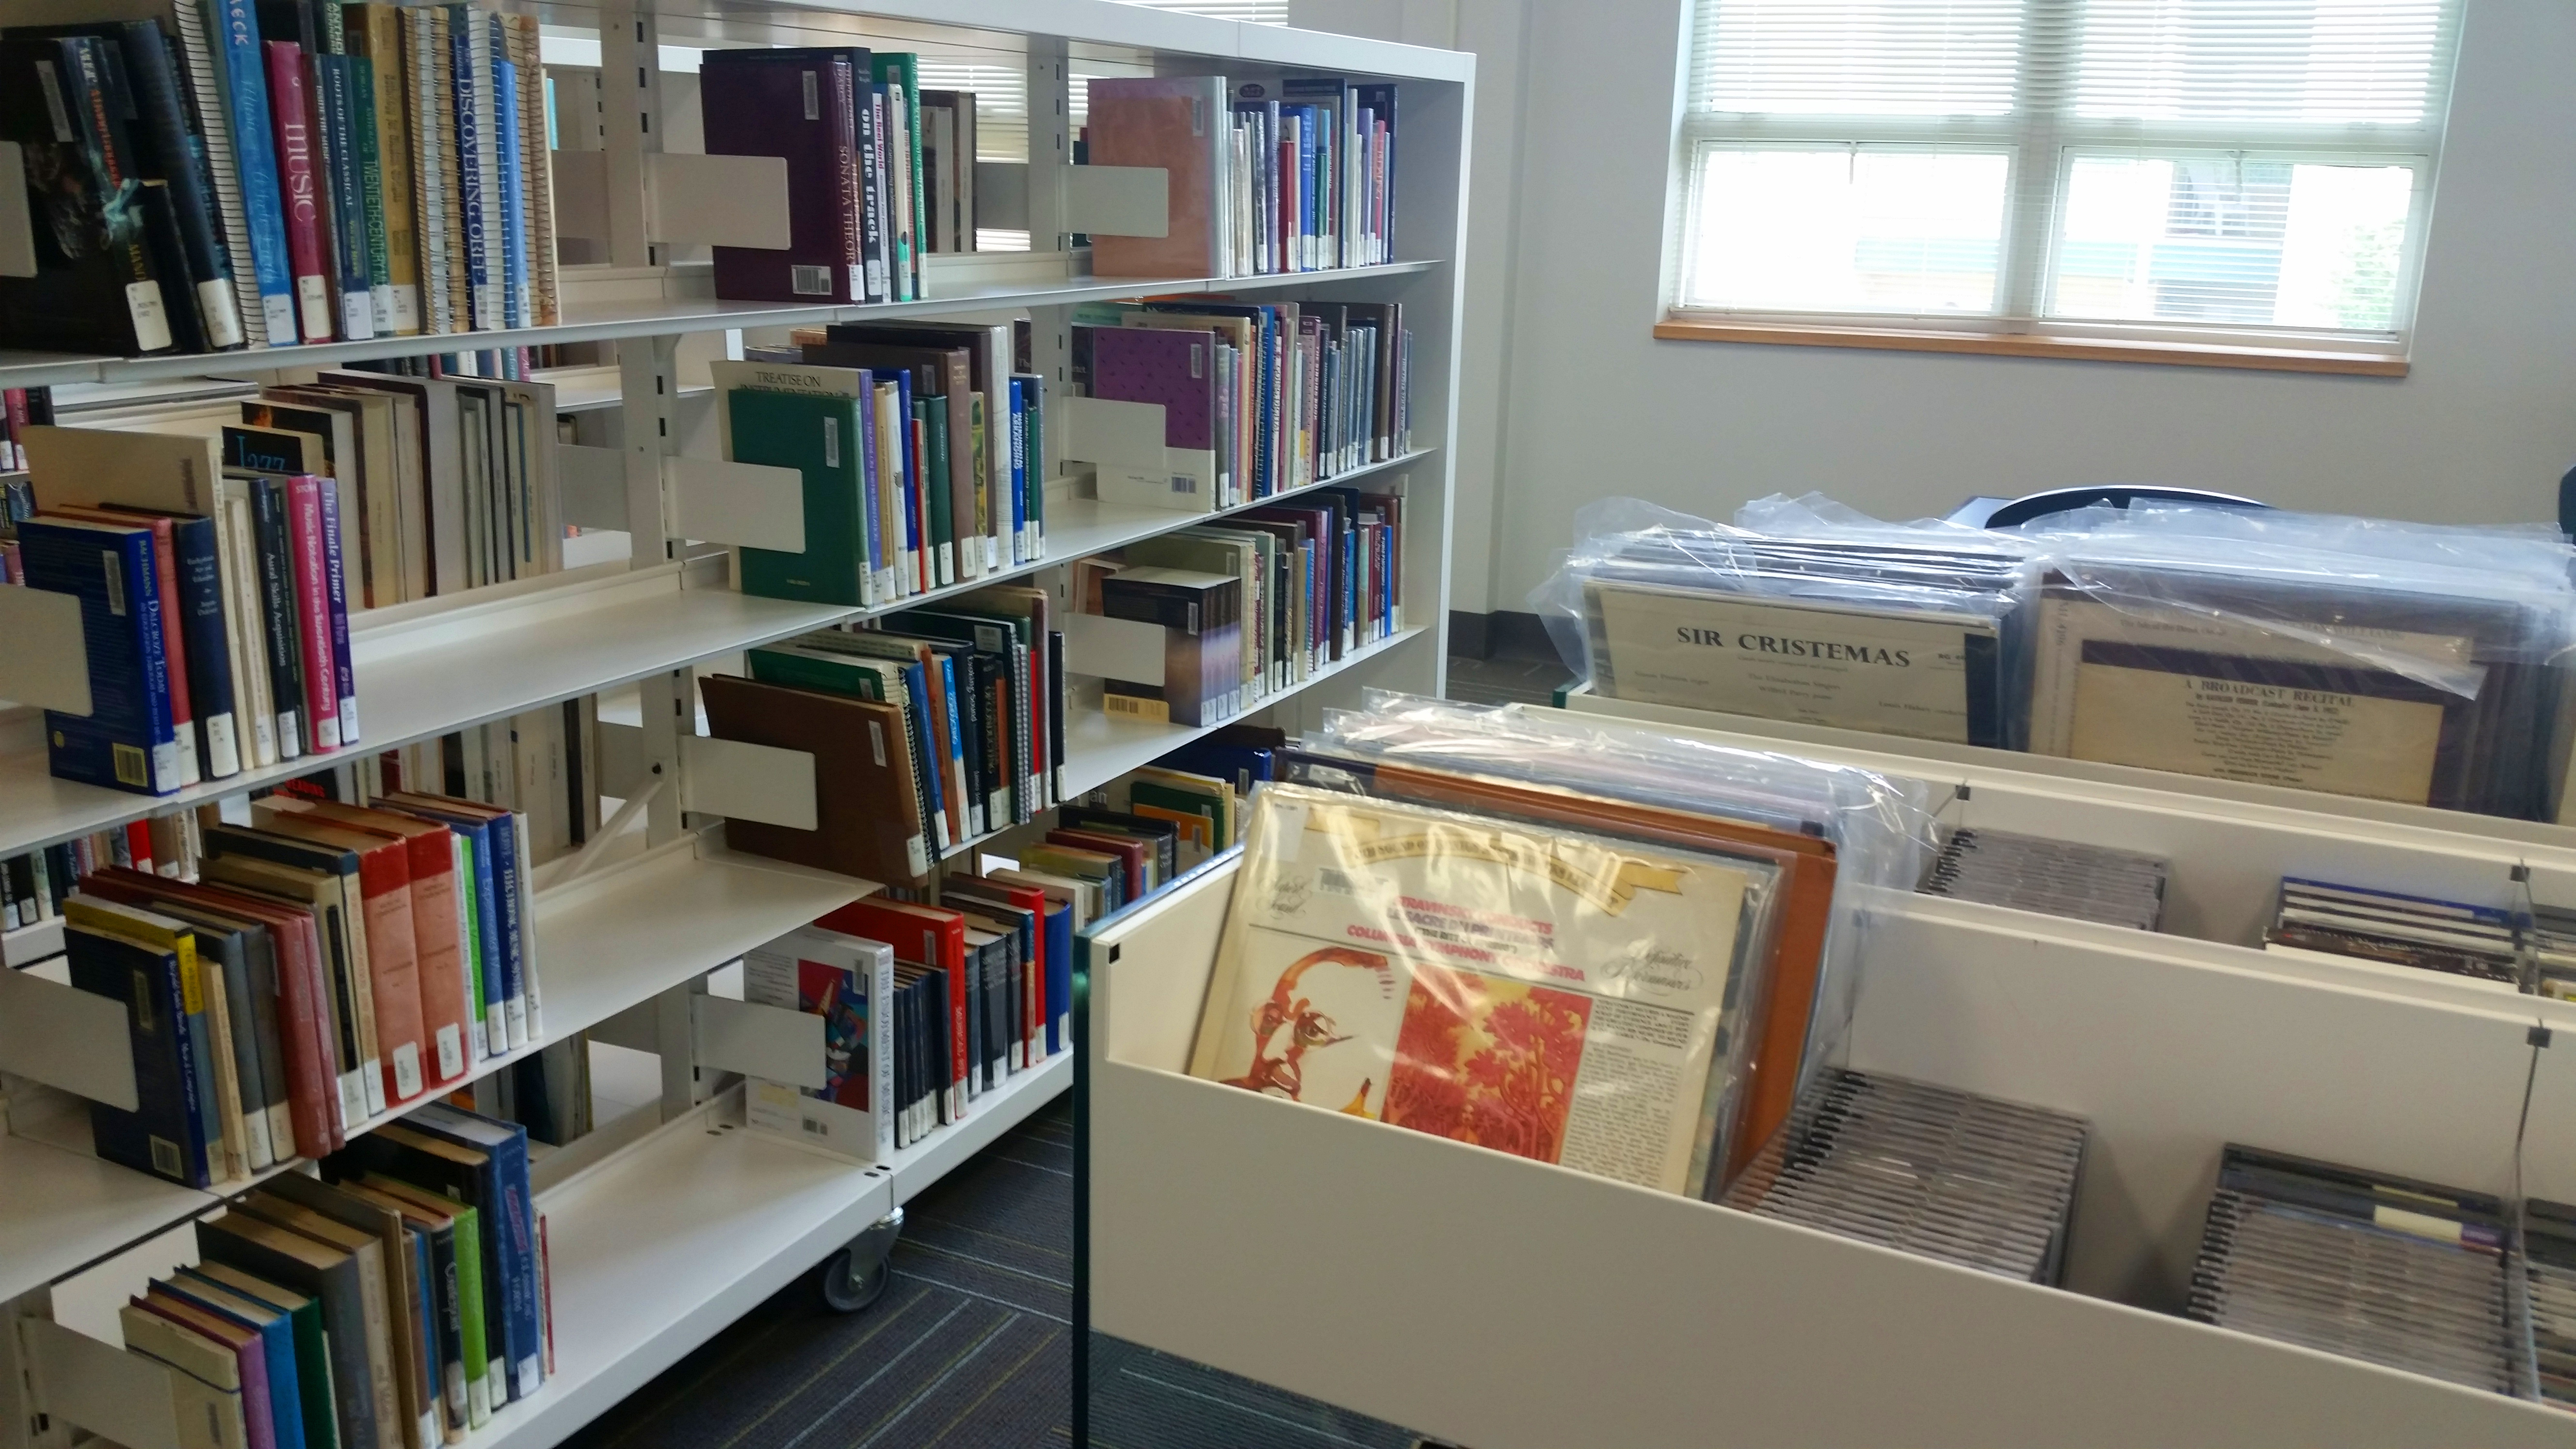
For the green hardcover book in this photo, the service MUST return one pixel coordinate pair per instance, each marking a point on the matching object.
(933, 414)
(312, 1348)
(1033, 389)
(902, 68)
(820, 438)
(803, 668)
(364, 136)
(471, 927)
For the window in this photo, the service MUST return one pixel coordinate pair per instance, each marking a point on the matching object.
(2218, 171)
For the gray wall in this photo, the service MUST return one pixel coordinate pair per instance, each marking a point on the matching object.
(1586, 404)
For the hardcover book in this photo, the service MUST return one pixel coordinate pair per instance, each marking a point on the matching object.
(799, 110)
(1180, 125)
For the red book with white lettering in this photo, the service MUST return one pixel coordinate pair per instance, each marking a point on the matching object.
(439, 956)
(313, 611)
(291, 115)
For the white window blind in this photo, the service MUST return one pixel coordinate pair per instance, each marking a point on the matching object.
(2169, 167)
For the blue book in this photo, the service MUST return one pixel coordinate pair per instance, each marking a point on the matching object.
(166, 1133)
(976, 824)
(276, 1332)
(515, 296)
(1059, 983)
(916, 539)
(126, 741)
(919, 690)
(1309, 121)
(506, 1143)
(1019, 471)
(877, 526)
(244, 82)
(348, 195)
(201, 622)
(335, 589)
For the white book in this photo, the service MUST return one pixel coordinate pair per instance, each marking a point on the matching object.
(842, 1101)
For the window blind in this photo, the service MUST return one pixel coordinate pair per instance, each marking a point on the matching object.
(2175, 165)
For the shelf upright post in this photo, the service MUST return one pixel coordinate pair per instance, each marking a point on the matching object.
(630, 45)
(1050, 82)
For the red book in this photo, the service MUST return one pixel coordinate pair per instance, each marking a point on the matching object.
(291, 115)
(312, 1061)
(1129, 850)
(447, 1002)
(931, 936)
(1033, 1006)
(16, 402)
(313, 610)
(403, 1049)
(138, 845)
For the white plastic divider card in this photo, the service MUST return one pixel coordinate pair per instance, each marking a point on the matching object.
(727, 201)
(17, 223)
(1509, 1304)
(66, 1038)
(45, 664)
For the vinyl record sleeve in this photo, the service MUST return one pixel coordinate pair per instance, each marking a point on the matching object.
(1556, 996)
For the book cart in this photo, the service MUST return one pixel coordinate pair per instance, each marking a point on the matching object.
(665, 1225)
(1500, 1303)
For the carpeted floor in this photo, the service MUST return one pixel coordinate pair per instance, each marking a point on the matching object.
(967, 1350)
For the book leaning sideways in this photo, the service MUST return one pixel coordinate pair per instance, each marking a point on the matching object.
(1555, 995)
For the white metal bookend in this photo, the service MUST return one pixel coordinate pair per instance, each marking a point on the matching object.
(1118, 200)
(726, 201)
(46, 663)
(83, 1382)
(750, 505)
(66, 1038)
(759, 1041)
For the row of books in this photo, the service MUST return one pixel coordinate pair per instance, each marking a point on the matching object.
(941, 726)
(21, 408)
(928, 1005)
(879, 171)
(247, 173)
(1256, 603)
(2391, 661)
(1278, 173)
(394, 1302)
(1257, 399)
(34, 886)
(543, 765)
(327, 963)
(216, 639)
(921, 448)
(936, 994)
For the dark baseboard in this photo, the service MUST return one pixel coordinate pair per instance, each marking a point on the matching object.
(1502, 634)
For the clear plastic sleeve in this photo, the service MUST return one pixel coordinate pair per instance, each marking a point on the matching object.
(2412, 662)
(1847, 829)
(1803, 611)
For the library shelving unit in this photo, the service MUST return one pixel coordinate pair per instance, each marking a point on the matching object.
(667, 1223)
(1492, 1301)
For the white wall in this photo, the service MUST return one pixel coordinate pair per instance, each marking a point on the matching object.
(1565, 287)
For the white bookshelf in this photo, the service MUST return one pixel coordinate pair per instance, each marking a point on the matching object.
(663, 1236)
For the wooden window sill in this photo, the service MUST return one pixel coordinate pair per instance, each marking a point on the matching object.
(2026, 344)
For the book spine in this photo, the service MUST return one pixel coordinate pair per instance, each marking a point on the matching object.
(1019, 473)
(174, 651)
(431, 195)
(277, 599)
(851, 219)
(313, 610)
(491, 306)
(537, 167)
(872, 223)
(390, 91)
(209, 85)
(345, 193)
(517, 301)
(479, 285)
(92, 123)
(210, 667)
(164, 113)
(368, 164)
(344, 678)
(302, 201)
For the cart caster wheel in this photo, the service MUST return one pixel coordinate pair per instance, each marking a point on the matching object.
(856, 1276)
